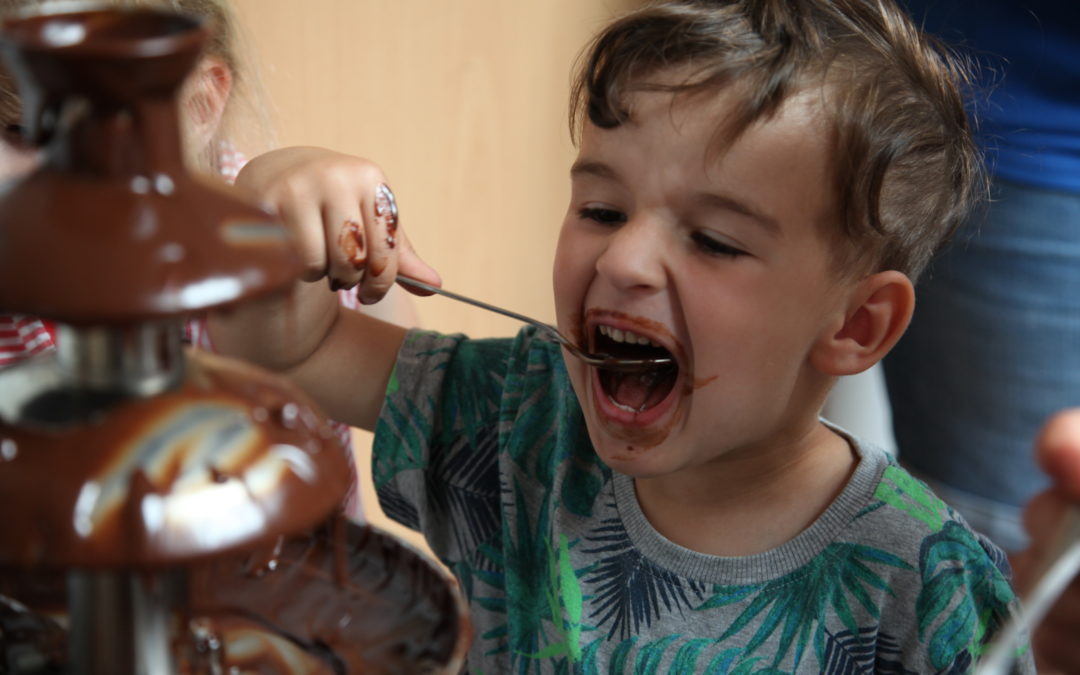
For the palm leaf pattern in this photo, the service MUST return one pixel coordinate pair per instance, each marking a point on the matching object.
(397, 507)
(796, 603)
(519, 590)
(408, 424)
(862, 652)
(463, 485)
(908, 494)
(630, 656)
(536, 419)
(956, 570)
(525, 515)
(632, 592)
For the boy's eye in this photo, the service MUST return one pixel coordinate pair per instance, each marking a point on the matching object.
(603, 216)
(715, 246)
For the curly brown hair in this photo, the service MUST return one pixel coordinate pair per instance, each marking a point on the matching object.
(907, 171)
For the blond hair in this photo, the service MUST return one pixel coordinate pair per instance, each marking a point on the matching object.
(246, 119)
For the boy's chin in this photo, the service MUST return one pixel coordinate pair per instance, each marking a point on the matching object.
(628, 457)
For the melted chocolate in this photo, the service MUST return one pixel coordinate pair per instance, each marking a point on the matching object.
(30, 643)
(127, 490)
(652, 436)
(394, 611)
(217, 482)
(369, 600)
(351, 242)
(114, 187)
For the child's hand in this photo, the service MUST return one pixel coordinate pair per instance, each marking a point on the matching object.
(1058, 451)
(344, 217)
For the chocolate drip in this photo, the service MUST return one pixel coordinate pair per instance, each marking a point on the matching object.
(394, 612)
(282, 475)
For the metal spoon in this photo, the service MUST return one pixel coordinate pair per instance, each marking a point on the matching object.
(1062, 565)
(599, 360)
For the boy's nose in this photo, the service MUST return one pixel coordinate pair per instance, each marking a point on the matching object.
(634, 257)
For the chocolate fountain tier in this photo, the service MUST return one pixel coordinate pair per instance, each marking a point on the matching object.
(112, 227)
(231, 457)
(152, 255)
(343, 598)
(362, 598)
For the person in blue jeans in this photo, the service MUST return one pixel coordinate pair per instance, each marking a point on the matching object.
(994, 346)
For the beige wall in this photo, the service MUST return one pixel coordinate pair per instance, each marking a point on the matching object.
(463, 103)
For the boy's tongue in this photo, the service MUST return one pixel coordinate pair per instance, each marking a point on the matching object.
(638, 391)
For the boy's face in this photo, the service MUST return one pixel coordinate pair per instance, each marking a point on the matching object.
(719, 258)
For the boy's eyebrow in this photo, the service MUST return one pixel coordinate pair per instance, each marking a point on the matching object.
(718, 201)
(592, 168)
(707, 199)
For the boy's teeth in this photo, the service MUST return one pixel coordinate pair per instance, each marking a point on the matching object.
(626, 336)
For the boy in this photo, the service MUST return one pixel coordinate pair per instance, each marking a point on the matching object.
(757, 184)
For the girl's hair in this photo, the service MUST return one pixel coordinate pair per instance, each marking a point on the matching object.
(245, 120)
(906, 169)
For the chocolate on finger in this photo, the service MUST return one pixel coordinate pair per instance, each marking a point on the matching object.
(352, 243)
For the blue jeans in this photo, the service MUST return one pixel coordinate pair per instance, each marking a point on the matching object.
(993, 350)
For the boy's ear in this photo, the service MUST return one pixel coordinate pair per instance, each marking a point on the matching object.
(207, 95)
(877, 315)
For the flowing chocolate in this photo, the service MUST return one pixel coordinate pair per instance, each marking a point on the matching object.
(175, 512)
(112, 227)
(282, 609)
(393, 611)
(231, 458)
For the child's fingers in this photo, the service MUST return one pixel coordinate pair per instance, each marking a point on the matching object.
(346, 245)
(411, 265)
(305, 222)
(1058, 451)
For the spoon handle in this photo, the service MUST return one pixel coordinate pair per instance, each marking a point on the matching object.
(483, 305)
(1062, 565)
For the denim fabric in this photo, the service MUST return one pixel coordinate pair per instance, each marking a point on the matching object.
(993, 350)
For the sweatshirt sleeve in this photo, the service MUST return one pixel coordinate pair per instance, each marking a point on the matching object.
(435, 454)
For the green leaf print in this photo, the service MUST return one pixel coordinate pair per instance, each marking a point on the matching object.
(564, 600)
(904, 492)
(621, 656)
(580, 487)
(632, 592)
(964, 595)
(686, 658)
(402, 433)
(631, 656)
(514, 588)
(462, 484)
(534, 593)
(794, 604)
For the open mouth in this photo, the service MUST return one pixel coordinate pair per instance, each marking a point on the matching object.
(634, 391)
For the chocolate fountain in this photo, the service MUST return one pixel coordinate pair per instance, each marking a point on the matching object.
(166, 510)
